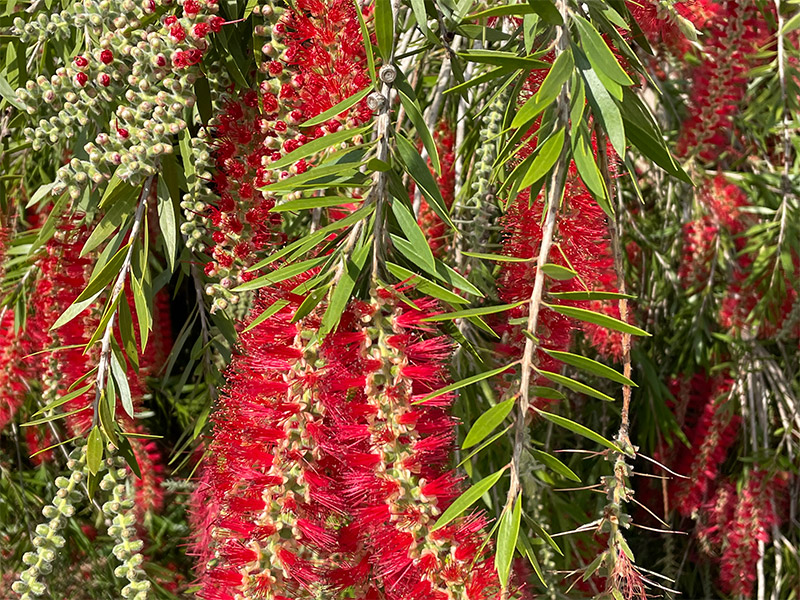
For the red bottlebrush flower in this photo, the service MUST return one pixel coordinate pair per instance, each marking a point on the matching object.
(733, 38)
(80, 62)
(711, 437)
(14, 371)
(752, 521)
(335, 465)
(81, 79)
(286, 483)
(107, 56)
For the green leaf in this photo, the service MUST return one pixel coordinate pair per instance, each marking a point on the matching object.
(486, 423)
(484, 445)
(474, 312)
(579, 429)
(440, 271)
(576, 386)
(599, 54)
(64, 399)
(554, 464)
(315, 177)
(281, 274)
(7, 92)
(319, 144)
(338, 108)
(248, 10)
(791, 24)
(590, 174)
(376, 164)
(202, 91)
(592, 366)
(590, 296)
(465, 382)
(425, 286)
(367, 44)
(597, 318)
(467, 499)
(303, 245)
(483, 78)
(56, 416)
(507, 540)
(527, 550)
(340, 296)
(273, 308)
(167, 224)
(418, 6)
(313, 202)
(603, 106)
(414, 113)
(384, 27)
(497, 257)
(546, 392)
(121, 379)
(422, 177)
(557, 76)
(105, 275)
(40, 194)
(547, 11)
(309, 303)
(558, 272)
(503, 59)
(413, 233)
(498, 11)
(73, 310)
(121, 202)
(127, 453)
(542, 533)
(144, 311)
(106, 410)
(94, 450)
(545, 158)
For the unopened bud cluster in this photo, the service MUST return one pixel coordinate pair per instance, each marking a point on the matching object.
(138, 77)
(48, 539)
(309, 66)
(475, 214)
(123, 521)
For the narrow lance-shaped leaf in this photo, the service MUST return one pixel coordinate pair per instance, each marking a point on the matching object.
(579, 429)
(486, 423)
(465, 382)
(573, 385)
(597, 318)
(554, 464)
(421, 175)
(592, 366)
(467, 499)
(507, 535)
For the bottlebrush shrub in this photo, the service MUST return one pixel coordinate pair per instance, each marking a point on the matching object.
(326, 473)
(336, 383)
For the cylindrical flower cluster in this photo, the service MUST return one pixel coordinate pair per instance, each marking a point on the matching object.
(326, 474)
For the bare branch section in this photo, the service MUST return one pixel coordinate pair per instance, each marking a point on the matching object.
(554, 193)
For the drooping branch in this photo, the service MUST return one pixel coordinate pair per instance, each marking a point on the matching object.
(555, 191)
(119, 286)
